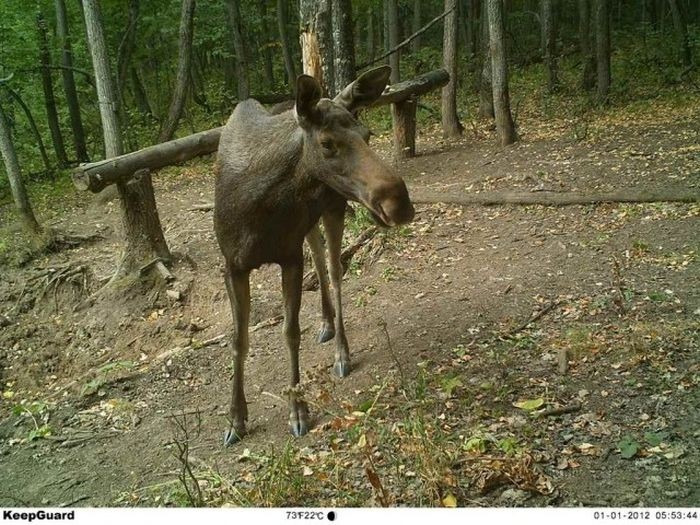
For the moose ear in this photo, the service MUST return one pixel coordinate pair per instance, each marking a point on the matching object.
(365, 90)
(308, 94)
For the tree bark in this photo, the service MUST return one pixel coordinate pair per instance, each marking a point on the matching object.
(602, 49)
(282, 22)
(266, 52)
(451, 127)
(76, 121)
(144, 235)
(403, 115)
(33, 126)
(316, 38)
(19, 192)
(485, 88)
(49, 98)
(588, 73)
(184, 63)
(415, 44)
(393, 40)
(549, 43)
(343, 44)
(234, 17)
(679, 23)
(499, 67)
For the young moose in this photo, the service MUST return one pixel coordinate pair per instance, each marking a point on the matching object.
(278, 175)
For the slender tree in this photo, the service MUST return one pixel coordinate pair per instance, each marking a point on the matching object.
(417, 19)
(679, 23)
(139, 91)
(233, 9)
(451, 127)
(19, 192)
(184, 65)
(49, 98)
(343, 44)
(143, 232)
(32, 124)
(76, 122)
(549, 43)
(588, 73)
(485, 89)
(499, 70)
(126, 49)
(602, 17)
(282, 23)
(393, 40)
(371, 45)
(266, 52)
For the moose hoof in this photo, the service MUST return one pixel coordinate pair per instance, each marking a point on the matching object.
(326, 333)
(299, 420)
(341, 368)
(233, 436)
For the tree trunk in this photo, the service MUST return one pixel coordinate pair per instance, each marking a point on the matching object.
(603, 48)
(317, 41)
(282, 22)
(239, 46)
(371, 47)
(19, 192)
(549, 43)
(393, 41)
(485, 89)
(144, 235)
(184, 63)
(76, 121)
(266, 52)
(126, 50)
(499, 67)
(33, 126)
(140, 93)
(588, 74)
(415, 44)
(49, 99)
(451, 126)
(343, 44)
(679, 23)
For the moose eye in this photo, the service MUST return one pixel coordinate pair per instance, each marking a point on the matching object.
(328, 144)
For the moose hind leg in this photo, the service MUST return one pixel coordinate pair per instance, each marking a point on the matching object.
(292, 276)
(315, 242)
(334, 225)
(238, 287)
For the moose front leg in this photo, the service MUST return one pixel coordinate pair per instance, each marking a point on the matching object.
(238, 287)
(292, 277)
(315, 241)
(334, 223)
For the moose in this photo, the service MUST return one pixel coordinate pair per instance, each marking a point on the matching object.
(278, 175)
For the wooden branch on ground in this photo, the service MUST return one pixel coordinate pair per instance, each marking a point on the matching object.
(407, 41)
(311, 278)
(557, 411)
(548, 198)
(98, 175)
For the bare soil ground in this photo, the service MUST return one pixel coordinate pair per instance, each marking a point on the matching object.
(124, 402)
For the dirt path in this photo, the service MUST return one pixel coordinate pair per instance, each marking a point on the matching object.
(622, 288)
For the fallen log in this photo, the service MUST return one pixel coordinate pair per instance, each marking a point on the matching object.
(550, 198)
(414, 87)
(98, 175)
